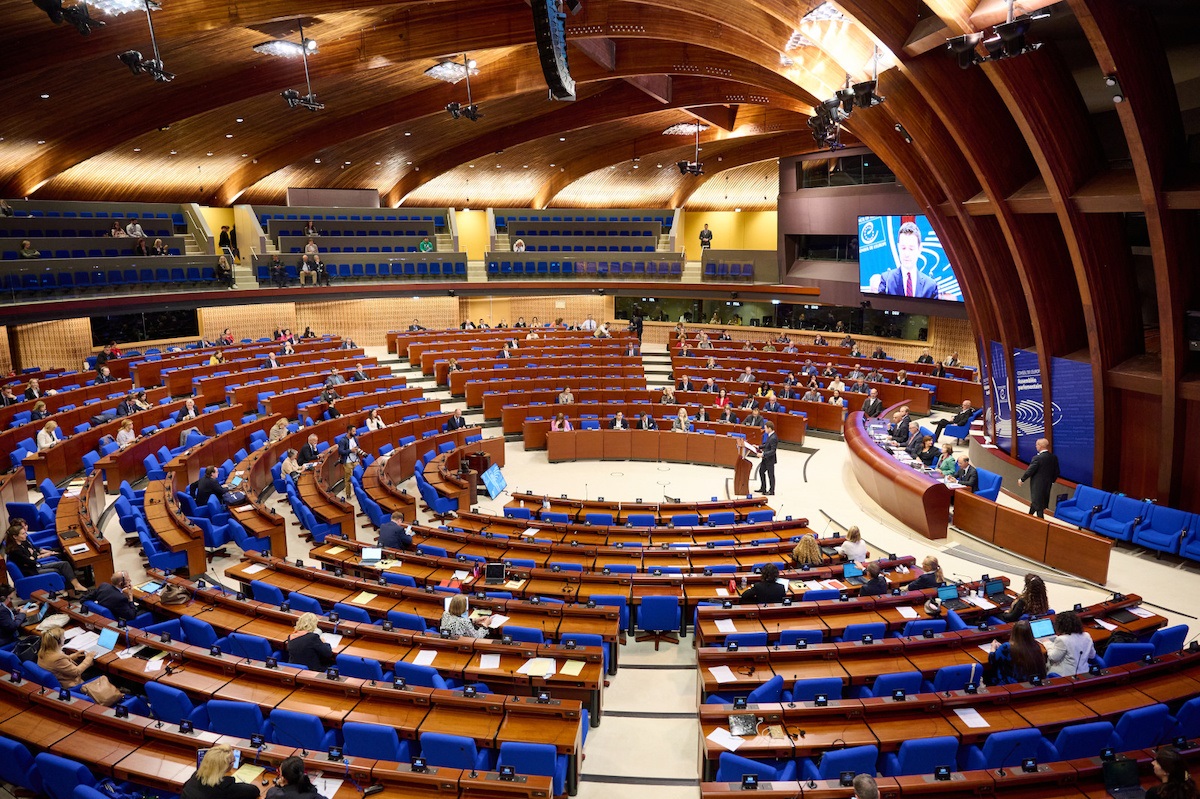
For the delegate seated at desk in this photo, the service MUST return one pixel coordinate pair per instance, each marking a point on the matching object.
(305, 647)
(767, 590)
(457, 619)
(618, 422)
(394, 535)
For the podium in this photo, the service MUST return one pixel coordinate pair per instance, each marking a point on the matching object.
(742, 469)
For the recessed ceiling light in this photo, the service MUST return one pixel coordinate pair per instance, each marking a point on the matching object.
(239, 120)
(497, 166)
(229, 135)
(137, 149)
(562, 138)
(635, 166)
(524, 166)
(45, 97)
(377, 163)
(552, 165)
(209, 154)
(347, 163)
(316, 160)
(470, 166)
(41, 141)
(173, 152)
(408, 163)
(245, 155)
(408, 133)
(660, 166)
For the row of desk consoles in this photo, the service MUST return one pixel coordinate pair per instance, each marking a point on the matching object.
(434, 362)
(807, 729)
(413, 344)
(578, 508)
(853, 661)
(576, 378)
(162, 756)
(147, 370)
(212, 388)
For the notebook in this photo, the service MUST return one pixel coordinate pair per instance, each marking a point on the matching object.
(948, 596)
(743, 724)
(852, 575)
(993, 591)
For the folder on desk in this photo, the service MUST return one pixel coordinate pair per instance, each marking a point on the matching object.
(573, 668)
(364, 598)
(538, 667)
(336, 551)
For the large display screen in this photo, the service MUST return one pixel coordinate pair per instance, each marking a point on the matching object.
(901, 256)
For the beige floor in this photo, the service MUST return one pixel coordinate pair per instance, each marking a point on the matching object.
(650, 733)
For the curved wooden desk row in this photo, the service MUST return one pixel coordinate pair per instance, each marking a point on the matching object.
(481, 381)
(490, 719)
(450, 475)
(487, 369)
(576, 508)
(454, 658)
(917, 398)
(149, 372)
(126, 464)
(855, 662)
(67, 420)
(495, 402)
(183, 381)
(310, 385)
(790, 429)
(553, 619)
(75, 396)
(649, 445)
(74, 521)
(436, 362)
(412, 397)
(923, 503)
(413, 344)
(887, 724)
(823, 354)
(212, 388)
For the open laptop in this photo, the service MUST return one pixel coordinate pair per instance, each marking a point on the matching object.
(1042, 628)
(371, 555)
(948, 596)
(103, 644)
(235, 481)
(494, 574)
(1121, 779)
(993, 591)
(852, 575)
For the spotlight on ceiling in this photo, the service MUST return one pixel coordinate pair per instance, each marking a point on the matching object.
(149, 66)
(690, 167)
(453, 72)
(282, 48)
(76, 15)
(296, 100)
(964, 46)
(900, 129)
(1007, 39)
(864, 94)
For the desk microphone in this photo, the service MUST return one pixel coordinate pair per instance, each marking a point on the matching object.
(1000, 771)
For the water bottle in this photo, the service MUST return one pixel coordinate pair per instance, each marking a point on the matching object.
(743, 582)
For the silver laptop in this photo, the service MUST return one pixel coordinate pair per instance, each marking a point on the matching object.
(371, 555)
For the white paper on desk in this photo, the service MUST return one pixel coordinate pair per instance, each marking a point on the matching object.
(335, 551)
(70, 633)
(255, 568)
(333, 639)
(722, 592)
(906, 612)
(971, 717)
(489, 661)
(1141, 612)
(539, 667)
(461, 575)
(244, 508)
(988, 647)
(726, 626)
(722, 737)
(1106, 625)
(979, 602)
(326, 786)
(722, 674)
(78, 549)
(496, 620)
(153, 666)
(82, 640)
(530, 532)
(425, 657)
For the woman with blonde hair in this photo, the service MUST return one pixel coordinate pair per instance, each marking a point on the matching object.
(291, 465)
(931, 577)
(126, 435)
(39, 411)
(279, 431)
(457, 619)
(68, 669)
(45, 437)
(214, 779)
(853, 548)
(807, 551)
(304, 646)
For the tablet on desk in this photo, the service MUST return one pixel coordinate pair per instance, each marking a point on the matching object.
(150, 587)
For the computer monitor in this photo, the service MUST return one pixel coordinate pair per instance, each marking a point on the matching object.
(947, 592)
(493, 573)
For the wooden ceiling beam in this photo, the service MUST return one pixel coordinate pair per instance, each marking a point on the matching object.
(723, 116)
(656, 86)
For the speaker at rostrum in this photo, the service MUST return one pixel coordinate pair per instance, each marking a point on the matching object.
(549, 26)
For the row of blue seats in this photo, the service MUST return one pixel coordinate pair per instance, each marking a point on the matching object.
(1138, 521)
(673, 268)
(721, 269)
(592, 248)
(665, 219)
(13, 255)
(334, 232)
(362, 249)
(562, 232)
(384, 269)
(1138, 729)
(440, 221)
(176, 217)
(59, 777)
(45, 281)
(647, 520)
(97, 230)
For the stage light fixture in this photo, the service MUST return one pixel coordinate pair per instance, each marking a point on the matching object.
(1114, 83)
(284, 48)
(1008, 39)
(864, 94)
(296, 100)
(138, 65)
(466, 68)
(452, 71)
(77, 15)
(964, 47)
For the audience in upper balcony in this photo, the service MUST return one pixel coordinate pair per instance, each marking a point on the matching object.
(310, 230)
(116, 231)
(159, 248)
(308, 273)
(134, 228)
(426, 245)
(224, 272)
(141, 248)
(5, 209)
(518, 245)
(278, 273)
(27, 250)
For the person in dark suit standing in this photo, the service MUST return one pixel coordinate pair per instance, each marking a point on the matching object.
(767, 590)
(349, 455)
(873, 406)
(618, 422)
(393, 535)
(766, 468)
(967, 474)
(1041, 474)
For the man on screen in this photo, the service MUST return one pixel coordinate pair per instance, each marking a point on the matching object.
(906, 279)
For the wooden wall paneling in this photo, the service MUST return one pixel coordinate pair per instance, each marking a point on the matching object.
(952, 335)
(61, 344)
(1189, 487)
(6, 361)
(367, 321)
(1055, 123)
(1126, 42)
(248, 321)
(1139, 447)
